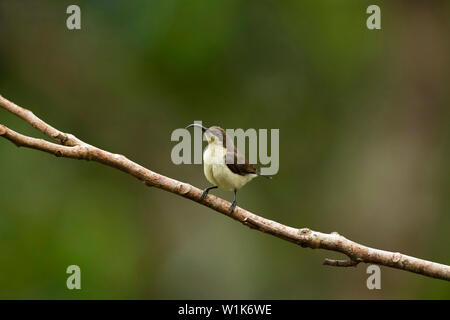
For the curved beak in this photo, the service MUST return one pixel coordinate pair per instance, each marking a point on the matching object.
(197, 125)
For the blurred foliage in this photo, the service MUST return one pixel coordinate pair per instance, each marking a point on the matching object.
(364, 145)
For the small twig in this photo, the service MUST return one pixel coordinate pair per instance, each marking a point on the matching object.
(340, 263)
(72, 147)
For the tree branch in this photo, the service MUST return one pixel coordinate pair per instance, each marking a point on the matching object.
(71, 147)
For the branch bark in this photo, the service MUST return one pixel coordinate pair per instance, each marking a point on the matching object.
(67, 145)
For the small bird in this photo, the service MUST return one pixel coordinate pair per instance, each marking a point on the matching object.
(223, 165)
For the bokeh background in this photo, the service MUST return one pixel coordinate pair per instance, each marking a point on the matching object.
(364, 145)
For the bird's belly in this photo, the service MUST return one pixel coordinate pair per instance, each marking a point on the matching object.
(228, 180)
(208, 171)
(218, 173)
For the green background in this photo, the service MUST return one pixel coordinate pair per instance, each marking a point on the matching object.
(364, 145)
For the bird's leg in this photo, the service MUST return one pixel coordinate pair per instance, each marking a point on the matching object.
(233, 205)
(205, 192)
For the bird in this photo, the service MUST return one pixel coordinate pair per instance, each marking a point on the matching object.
(224, 167)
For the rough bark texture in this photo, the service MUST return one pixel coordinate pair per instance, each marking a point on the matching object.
(71, 147)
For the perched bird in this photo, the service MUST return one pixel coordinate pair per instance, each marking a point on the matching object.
(223, 165)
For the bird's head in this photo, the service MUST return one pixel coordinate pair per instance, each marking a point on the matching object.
(213, 135)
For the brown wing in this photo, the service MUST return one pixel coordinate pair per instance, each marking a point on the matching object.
(238, 164)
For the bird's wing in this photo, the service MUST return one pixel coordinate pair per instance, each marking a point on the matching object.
(237, 163)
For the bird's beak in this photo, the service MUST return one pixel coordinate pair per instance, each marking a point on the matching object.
(197, 125)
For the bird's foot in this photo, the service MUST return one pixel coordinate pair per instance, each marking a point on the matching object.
(232, 207)
(205, 192)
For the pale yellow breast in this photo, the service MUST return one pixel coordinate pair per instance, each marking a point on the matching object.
(218, 173)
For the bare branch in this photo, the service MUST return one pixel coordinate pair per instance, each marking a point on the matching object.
(72, 147)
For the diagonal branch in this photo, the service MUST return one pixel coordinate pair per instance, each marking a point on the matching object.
(72, 147)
